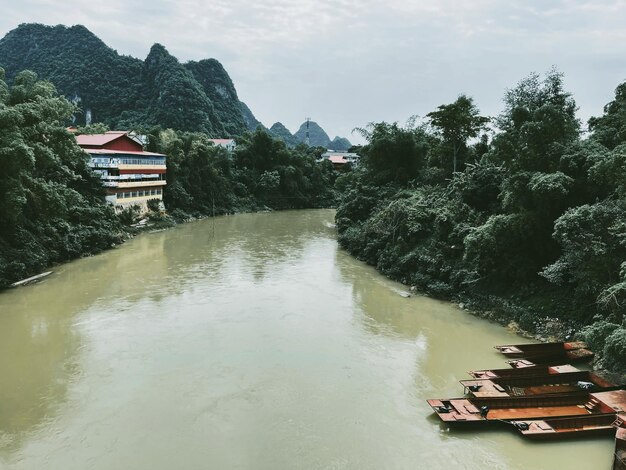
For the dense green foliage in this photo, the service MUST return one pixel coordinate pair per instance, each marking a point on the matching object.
(530, 225)
(51, 204)
(124, 92)
(262, 173)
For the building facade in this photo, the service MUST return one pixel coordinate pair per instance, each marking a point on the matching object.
(130, 175)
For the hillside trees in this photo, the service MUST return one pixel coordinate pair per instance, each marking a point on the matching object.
(610, 128)
(51, 204)
(205, 179)
(393, 154)
(537, 128)
(531, 224)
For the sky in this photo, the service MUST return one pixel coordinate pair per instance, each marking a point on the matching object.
(345, 63)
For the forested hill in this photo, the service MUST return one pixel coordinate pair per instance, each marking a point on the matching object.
(317, 136)
(122, 91)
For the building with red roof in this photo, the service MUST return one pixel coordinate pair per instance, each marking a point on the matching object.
(341, 159)
(131, 175)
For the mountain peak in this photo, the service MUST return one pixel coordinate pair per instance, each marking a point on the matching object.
(317, 136)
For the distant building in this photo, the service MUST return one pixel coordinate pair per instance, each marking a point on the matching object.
(228, 144)
(340, 159)
(130, 175)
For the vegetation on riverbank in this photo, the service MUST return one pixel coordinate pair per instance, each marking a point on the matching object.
(531, 227)
(52, 205)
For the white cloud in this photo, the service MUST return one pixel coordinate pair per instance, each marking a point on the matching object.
(347, 62)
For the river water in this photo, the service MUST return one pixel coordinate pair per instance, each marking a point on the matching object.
(251, 342)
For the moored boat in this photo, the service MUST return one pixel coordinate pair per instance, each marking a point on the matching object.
(522, 371)
(521, 350)
(489, 409)
(619, 458)
(562, 428)
(543, 353)
(536, 384)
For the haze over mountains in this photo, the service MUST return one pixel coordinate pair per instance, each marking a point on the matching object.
(125, 92)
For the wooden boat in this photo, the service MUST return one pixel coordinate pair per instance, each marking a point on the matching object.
(489, 409)
(563, 428)
(545, 353)
(536, 384)
(522, 371)
(619, 458)
(523, 350)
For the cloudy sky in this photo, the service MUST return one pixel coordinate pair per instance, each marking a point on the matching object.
(345, 63)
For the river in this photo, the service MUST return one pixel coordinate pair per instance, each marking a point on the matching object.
(252, 342)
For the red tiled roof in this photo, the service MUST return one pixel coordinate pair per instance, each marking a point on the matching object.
(123, 152)
(222, 141)
(337, 159)
(98, 139)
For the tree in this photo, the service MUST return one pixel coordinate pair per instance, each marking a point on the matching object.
(456, 123)
(393, 153)
(51, 204)
(610, 129)
(537, 126)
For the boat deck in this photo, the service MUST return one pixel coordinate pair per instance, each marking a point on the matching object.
(525, 408)
(538, 412)
(546, 384)
(520, 371)
(550, 429)
(491, 389)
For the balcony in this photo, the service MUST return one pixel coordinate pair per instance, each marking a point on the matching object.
(132, 184)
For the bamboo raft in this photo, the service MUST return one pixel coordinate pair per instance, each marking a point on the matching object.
(494, 409)
(536, 384)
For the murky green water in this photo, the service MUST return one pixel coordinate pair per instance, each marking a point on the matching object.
(246, 342)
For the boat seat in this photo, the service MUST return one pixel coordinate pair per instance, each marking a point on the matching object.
(543, 426)
(471, 409)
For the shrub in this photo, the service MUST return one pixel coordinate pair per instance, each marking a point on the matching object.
(595, 335)
(614, 354)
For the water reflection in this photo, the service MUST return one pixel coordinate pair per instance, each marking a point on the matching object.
(38, 351)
